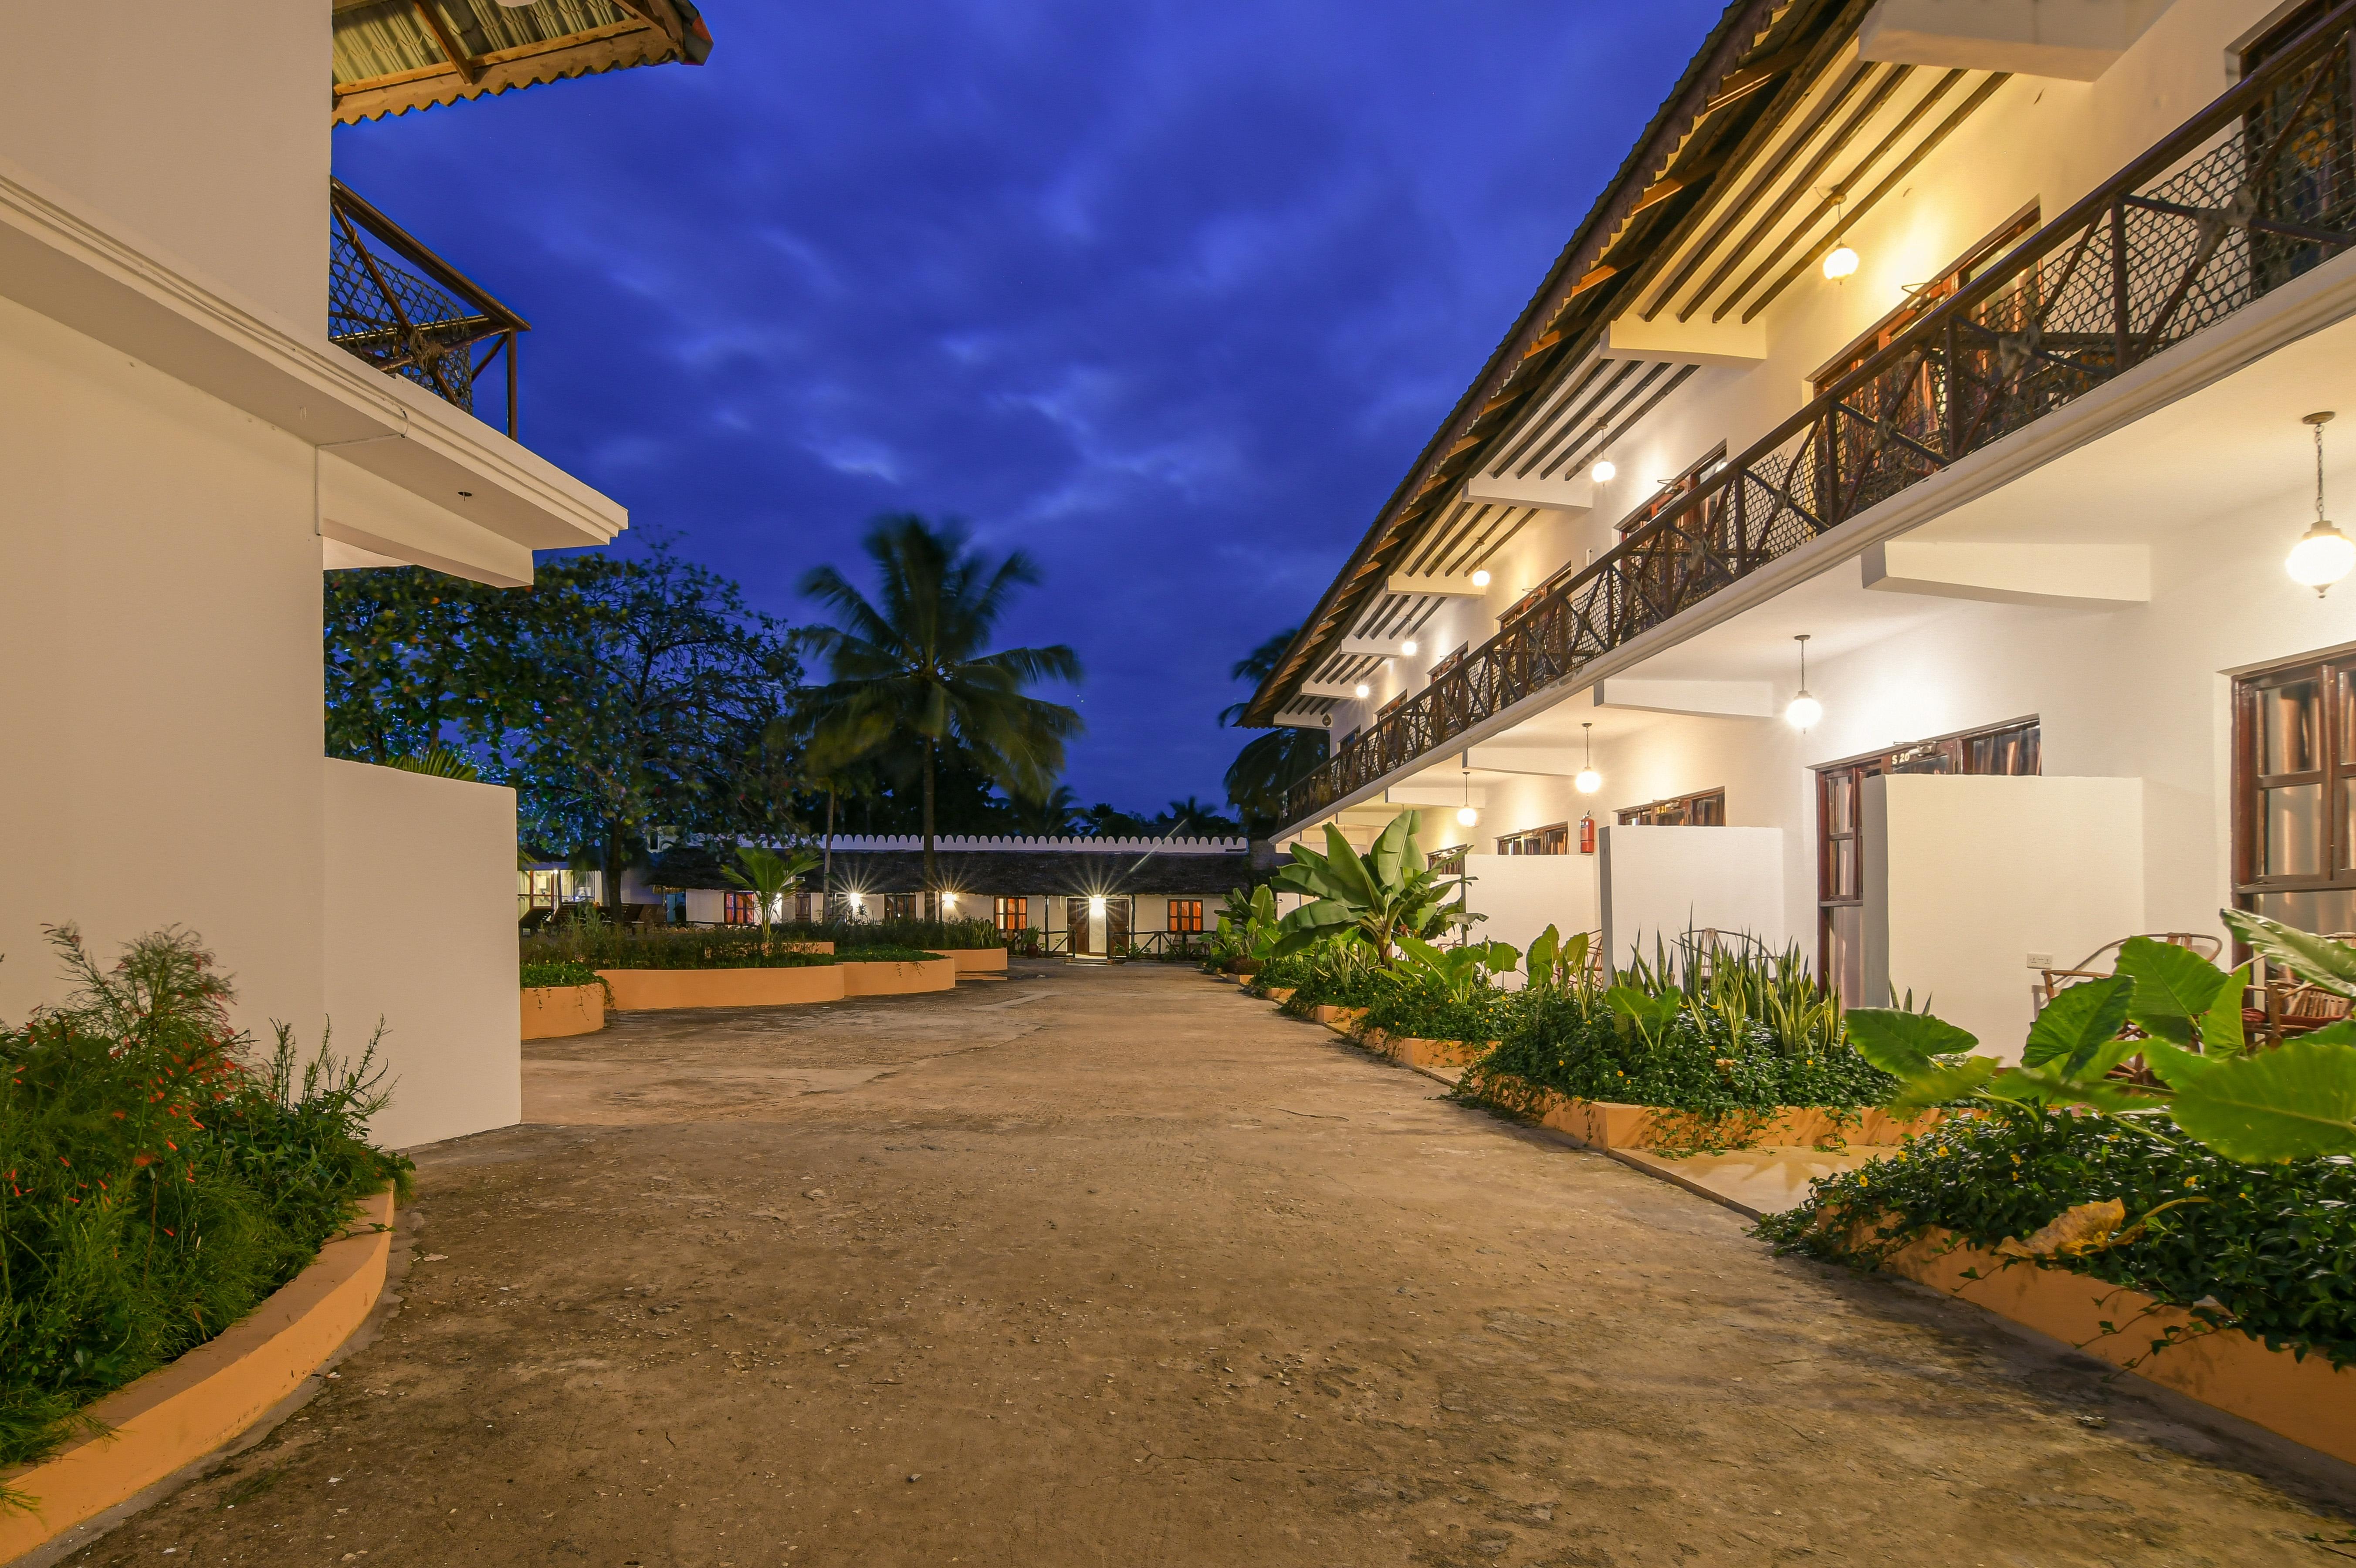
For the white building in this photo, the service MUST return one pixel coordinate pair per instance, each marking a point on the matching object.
(2025, 475)
(185, 448)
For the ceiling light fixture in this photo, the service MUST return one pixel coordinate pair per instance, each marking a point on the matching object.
(1589, 781)
(1465, 814)
(2323, 555)
(1841, 261)
(1481, 578)
(1604, 471)
(1804, 712)
(1362, 690)
(1407, 646)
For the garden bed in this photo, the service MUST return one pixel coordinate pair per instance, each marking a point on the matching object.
(555, 1012)
(895, 978)
(1609, 1125)
(976, 960)
(2307, 1399)
(178, 1413)
(651, 990)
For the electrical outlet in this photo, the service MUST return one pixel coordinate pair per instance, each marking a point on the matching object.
(2041, 961)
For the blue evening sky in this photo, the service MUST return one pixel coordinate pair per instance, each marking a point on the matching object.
(1167, 294)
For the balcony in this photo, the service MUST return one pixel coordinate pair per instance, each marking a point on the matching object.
(2257, 189)
(396, 305)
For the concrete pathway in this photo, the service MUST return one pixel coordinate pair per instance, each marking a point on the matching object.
(1116, 1267)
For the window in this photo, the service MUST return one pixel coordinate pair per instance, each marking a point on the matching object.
(1554, 839)
(1668, 494)
(2295, 793)
(1185, 915)
(1448, 664)
(1013, 914)
(740, 909)
(1920, 302)
(2010, 750)
(899, 906)
(1705, 809)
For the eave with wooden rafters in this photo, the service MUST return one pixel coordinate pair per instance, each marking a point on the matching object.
(393, 55)
(1759, 65)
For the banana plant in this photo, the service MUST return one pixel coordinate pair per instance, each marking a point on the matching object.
(1248, 925)
(2257, 1106)
(766, 874)
(1379, 896)
(1453, 972)
(1557, 963)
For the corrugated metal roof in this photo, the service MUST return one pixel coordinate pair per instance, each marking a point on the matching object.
(393, 55)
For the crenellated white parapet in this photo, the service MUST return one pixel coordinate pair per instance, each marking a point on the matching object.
(946, 844)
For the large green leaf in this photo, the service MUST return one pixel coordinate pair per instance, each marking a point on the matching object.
(1938, 1083)
(1903, 1044)
(2173, 987)
(2175, 1065)
(2221, 1025)
(2077, 1024)
(1390, 849)
(1543, 947)
(2038, 1086)
(2290, 1103)
(2330, 966)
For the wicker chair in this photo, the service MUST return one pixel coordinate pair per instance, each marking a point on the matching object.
(2289, 1006)
(2104, 962)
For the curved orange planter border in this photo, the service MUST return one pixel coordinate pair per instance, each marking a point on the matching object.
(977, 960)
(179, 1414)
(1608, 1124)
(2306, 1401)
(643, 990)
(891, 978)
(552, 1012)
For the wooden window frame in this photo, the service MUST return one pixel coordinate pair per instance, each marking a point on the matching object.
(1183, 916)
(901, 906)
(1558, 834)
(740, 909)
(1638, 816)
(1018, 908)
(2334, 672)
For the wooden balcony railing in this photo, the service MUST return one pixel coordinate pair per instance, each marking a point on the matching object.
(2254, 190)
(409, 312)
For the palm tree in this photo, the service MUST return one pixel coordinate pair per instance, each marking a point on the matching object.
(1191, 818)
(1269, 765)
(911, 670)
(1049, 818)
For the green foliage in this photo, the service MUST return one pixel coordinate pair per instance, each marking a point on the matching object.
(600, 944)
(2265, 1252)
(561, 972)
(1379, 896)
(1440, 993)
(885, 953)
(1275, 761)
(2294, 1101)
(1723, 1033)
(614, 693)
(1247, 930)
(1554, 963)
(156, 1181)
(441, 762)
(767, 874)
(912, 672)
(1339, 972)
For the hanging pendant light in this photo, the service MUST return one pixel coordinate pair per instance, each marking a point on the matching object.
(1803, 712)
(1589, 781)
(2323, 555)
(1604, 471)
(1465, 814)
(1841, 261)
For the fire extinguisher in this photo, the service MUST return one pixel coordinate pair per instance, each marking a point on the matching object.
(1587, 833)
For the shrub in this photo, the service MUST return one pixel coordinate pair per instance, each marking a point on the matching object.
(156, 1184)
(597, 945)
(564, 972)
(2263, 1251)
(882, 954)
(1337, 971)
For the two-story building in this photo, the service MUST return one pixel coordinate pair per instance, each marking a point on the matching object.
(1980, 354)
(220, 375)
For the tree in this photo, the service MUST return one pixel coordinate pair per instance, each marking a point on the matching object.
(1378, 897)
(910, 673)
(612, 694)
(1191, 818)
(1053, 817)
(1275, 761)
(767, 875)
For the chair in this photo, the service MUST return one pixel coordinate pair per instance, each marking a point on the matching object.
(2104, 962)
(2289, 1006)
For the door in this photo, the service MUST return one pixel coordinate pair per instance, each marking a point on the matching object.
(1116, 927)
(1075, 920)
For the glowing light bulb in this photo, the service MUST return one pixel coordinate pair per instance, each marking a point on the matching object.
(1095, 903)
(1803, 712)
(2322, 557)
(1840, 262)
(1407, 646)
(1362, 690)
(1467, 816)
(1481, 578)
(948, 901)
(1588, 781)
(1604, 471)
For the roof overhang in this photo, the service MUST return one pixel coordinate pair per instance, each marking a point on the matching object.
(393, 55)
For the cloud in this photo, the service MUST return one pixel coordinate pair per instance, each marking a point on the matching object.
(1169, 295)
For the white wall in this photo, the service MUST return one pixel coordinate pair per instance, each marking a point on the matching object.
(202, 129)
(1965, 877)
(420, 932)
(159, 672)
(1660, 883)
(1523, 894)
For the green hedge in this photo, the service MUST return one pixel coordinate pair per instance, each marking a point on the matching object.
(154, 1186)
(2268, 1252)
(562, 972)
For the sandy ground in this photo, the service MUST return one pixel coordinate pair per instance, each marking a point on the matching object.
(1116, 1267)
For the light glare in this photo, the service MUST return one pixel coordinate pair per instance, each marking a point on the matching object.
(1840, 262)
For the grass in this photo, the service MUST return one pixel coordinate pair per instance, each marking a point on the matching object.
(159, 1178)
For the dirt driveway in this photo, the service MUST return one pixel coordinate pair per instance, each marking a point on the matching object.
(1115, 1267)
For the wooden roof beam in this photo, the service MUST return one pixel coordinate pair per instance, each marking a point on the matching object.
(467, 65)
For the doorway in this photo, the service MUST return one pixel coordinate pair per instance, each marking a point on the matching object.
(1076, 923)
(1116, 914)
